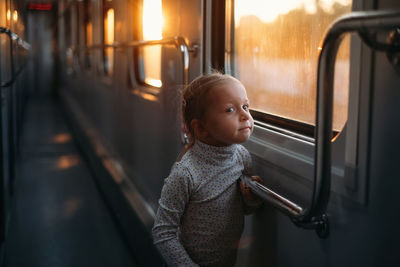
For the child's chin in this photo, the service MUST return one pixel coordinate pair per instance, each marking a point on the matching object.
(244, 139)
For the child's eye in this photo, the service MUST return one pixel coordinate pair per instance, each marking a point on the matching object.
(246, 107)
(231, 109)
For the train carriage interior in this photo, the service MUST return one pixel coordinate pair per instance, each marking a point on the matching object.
(91, 125)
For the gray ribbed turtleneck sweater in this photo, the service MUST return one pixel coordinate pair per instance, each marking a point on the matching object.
(201, 211)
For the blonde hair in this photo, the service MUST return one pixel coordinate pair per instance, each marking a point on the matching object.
(194, 98)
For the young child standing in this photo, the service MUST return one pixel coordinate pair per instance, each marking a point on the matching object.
(201, 209)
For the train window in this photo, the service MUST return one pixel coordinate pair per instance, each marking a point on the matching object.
(108, 39)
(150, 56)
(273, 49)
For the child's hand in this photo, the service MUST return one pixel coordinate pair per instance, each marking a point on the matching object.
(246, 191)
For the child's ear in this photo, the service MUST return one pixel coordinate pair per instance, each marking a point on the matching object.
(198, 128)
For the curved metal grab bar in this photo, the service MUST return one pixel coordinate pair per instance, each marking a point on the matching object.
(314, 216)
(13, 37)
(277, 200)
(178, 41)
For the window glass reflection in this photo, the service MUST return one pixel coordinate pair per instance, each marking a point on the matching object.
(276, 46)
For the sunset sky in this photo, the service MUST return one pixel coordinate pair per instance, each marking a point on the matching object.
(268, 11)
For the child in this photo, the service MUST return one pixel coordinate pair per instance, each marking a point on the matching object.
(201, 214)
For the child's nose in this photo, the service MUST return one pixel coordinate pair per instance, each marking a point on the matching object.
(245, 115)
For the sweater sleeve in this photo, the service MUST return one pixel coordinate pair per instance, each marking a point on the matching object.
(174, 197)
(249, 206)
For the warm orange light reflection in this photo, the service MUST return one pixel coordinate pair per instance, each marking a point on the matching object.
(71, 206)
(68, 161)
(152, 30)
(153, 82)
(8, 15)
(144, 95)
(61, 138)
(15, 16)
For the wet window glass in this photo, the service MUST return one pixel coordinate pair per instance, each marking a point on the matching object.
(275, 48)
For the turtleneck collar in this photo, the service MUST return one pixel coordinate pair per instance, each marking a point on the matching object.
(214, 152)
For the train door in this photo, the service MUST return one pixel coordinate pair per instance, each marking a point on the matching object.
(274, 49)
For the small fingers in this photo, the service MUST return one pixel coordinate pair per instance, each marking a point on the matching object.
(257, 179)
(244, 188)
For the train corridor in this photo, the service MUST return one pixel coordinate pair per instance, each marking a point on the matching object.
(58, 216)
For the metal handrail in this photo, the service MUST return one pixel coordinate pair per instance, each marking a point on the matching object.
(178, 41)
(280, 202)
(314, 217)
(13, 37)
